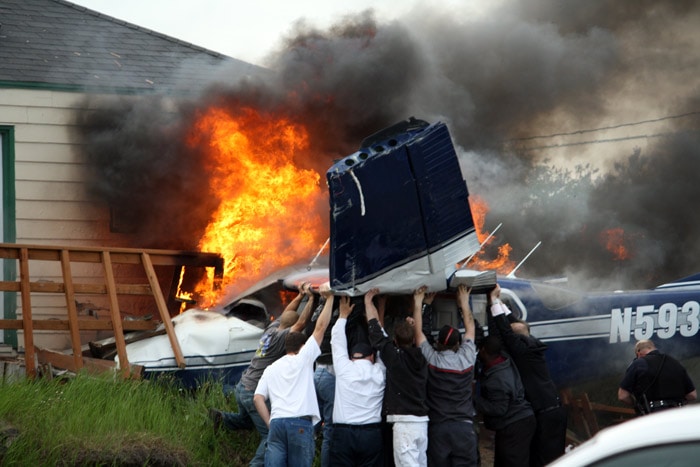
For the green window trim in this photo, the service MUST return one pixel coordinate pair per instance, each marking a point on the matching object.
(9, 234)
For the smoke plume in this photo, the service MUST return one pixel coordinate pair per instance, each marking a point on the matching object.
(572, 119)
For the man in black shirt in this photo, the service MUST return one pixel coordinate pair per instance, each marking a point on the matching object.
(528, 354)
(406, 380)
(657, 381)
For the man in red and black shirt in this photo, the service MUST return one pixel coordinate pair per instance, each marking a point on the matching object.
(451, 435)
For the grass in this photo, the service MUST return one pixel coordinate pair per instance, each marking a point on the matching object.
(100, 420)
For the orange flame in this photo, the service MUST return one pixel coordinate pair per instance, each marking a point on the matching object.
(614, 241)
(263, 221)
(181, 294)
(479, 210)
(501, 263)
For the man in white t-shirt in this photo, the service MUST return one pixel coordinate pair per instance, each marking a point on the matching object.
(271, 348)
(289, 385)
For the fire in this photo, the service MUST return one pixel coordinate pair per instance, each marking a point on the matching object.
(501, 263)
(479, 209)
(266, 216)
(180, 294)
(614, 241)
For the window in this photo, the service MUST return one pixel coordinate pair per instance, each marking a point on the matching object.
(554, 297)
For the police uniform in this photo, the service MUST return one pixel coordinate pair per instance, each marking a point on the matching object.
(658, 382)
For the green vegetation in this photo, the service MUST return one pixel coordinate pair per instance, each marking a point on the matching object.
(89, 420)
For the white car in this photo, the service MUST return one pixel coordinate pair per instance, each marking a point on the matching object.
(668, 438)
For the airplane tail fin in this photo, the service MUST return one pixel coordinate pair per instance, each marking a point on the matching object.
(400, 215)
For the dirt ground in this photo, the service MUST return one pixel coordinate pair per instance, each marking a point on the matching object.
(485, 447)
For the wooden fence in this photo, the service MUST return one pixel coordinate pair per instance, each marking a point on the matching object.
(151, 261)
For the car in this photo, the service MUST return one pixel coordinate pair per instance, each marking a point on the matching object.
(668, 438)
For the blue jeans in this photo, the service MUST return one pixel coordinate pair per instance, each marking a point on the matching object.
(324, 381)
(290, 443)
(247, 418)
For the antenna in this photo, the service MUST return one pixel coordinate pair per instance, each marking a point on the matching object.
(512, 273)
(313, 261)
(464, 264)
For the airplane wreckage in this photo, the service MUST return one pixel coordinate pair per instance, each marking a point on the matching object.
(400, 219)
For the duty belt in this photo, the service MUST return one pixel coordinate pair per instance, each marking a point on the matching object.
(663, 404)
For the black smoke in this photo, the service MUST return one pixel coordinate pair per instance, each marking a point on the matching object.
(504, 81)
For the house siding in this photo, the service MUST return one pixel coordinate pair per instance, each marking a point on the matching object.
(52, 205)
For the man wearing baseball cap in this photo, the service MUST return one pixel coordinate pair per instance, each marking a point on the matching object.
(451, 435)
(359, 392)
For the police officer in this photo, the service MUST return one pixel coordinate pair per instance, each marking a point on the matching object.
(655, 381)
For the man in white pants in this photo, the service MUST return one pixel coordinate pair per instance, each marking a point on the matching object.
(405, 393)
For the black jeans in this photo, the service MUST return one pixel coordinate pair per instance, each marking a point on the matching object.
(513, 443)
(452, 444)
(549, 441)
(357, 445)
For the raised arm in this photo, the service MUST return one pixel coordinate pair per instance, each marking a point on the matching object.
(325, 317)
(345, 307)
(339, 342)
(381, 308)
(304, 290)
(418, 296)
(294, 304)
(467, 316)
(493, 303)
(428, 316)
(370, 309)
(499, 324)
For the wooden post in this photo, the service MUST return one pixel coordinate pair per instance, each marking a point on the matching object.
(162, 308)
(115, 313)
(27, 313)
(589, 415)
(72, 309)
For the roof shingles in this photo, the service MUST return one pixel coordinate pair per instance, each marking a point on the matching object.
(55, 42)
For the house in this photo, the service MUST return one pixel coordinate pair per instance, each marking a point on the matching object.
(53, 54)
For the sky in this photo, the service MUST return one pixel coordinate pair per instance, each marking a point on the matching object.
(245, 30)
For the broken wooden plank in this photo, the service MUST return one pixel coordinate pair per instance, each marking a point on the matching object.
(91, 365)
(107, 347)
(612, 409)
(163, 310)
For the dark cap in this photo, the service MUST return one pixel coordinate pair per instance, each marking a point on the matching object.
(449, 336)
(361, 350)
